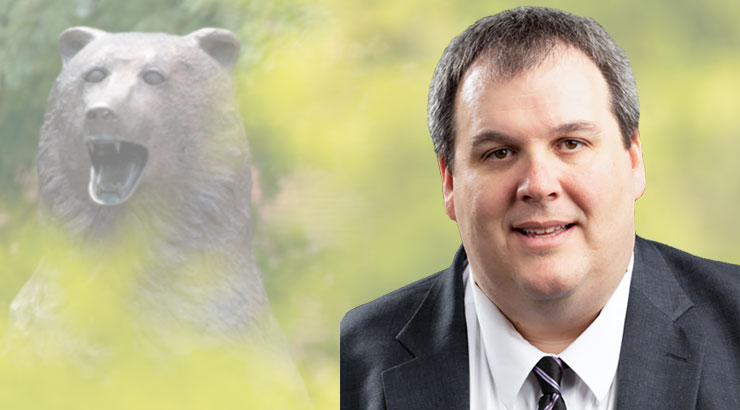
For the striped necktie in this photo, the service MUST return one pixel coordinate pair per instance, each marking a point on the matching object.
(549, 371)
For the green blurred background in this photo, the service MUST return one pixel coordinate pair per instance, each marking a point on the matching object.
(347, 196)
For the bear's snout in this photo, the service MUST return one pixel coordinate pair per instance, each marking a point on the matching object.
(100, 113)
(101, 119)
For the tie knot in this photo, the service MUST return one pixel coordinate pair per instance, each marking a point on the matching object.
(549, 372)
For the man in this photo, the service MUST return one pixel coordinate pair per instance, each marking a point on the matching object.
(552, 301)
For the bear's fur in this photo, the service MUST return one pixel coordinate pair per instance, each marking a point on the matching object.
(163, 217)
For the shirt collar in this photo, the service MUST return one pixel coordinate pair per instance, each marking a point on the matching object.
(593, 356)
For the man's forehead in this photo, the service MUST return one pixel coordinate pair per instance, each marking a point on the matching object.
(485, 74)
(500, 69)
(565, 88)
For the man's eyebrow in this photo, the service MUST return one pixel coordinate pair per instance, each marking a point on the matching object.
(574, 127)
(492, 137)
(500, 138)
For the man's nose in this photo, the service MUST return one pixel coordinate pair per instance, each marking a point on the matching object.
(540, 181)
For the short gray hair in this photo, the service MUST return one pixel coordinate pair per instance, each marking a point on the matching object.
(517, 40)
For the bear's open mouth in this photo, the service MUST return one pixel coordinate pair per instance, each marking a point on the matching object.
(116, 169)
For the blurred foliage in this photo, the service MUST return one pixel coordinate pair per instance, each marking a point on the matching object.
(347, 201)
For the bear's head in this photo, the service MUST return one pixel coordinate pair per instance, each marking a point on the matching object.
(142, 123)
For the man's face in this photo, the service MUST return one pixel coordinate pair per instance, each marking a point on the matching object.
(543, 188)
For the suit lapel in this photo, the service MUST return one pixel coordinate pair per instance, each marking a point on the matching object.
(437, 376)
(663, 345)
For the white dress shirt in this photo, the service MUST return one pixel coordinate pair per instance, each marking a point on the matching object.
(501, 360)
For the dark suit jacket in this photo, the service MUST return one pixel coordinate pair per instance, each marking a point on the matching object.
(680, 350)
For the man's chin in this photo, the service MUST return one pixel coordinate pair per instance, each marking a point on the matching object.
(548, 292)
(547, 282)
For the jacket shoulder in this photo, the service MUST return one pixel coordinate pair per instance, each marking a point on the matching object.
(368, 344)
(713, 288)
(386, 315)
(697, 275)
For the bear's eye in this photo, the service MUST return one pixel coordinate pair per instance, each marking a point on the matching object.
(96, 75)
(153, 78)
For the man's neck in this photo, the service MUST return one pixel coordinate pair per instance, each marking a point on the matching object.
(553, 325)
(552, 338)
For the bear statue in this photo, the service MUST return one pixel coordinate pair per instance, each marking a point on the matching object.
(144, 178)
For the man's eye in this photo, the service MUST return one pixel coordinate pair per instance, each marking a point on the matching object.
(500, 153)
(572, 144)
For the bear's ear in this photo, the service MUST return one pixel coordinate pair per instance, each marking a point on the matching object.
(73, 39)
(219, 43)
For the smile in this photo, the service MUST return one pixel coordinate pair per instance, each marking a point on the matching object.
(544, 232)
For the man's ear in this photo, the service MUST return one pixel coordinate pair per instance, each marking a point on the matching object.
(638, 166)
(448, 185)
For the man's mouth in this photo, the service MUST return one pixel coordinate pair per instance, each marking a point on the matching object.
(548, 232)
(115, 170)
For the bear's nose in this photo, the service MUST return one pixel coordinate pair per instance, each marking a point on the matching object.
(100, 113)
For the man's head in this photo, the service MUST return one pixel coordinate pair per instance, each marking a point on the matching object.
(545, 178)
(518, 40)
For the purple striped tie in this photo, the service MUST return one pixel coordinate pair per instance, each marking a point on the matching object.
(549, 371)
